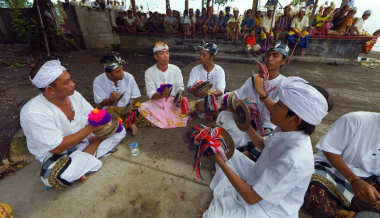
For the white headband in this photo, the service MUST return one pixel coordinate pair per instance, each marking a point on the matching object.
(47, 74)
(160, 48)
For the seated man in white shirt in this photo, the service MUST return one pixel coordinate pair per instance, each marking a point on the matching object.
(163, 81)
(210, 72)
(117, 91)
(267, 28)
(347, 168)
(299, 35)
(275, 185)
(357, 28)
(57, 131)
(274, 59)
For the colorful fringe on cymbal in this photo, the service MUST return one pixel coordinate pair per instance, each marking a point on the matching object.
(208, 142)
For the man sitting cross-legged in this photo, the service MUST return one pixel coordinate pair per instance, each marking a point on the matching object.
(274, 185)
(210, 72)
(163, 81)
(117, 91)
(274, 59)
(56, 127)
(347, 168)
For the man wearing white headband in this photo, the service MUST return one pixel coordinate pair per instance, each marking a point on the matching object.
(56, 127)
(233, 26)
(162, 72)
(117, 90)
(299, 35)
(359, 23)
(163, 81)
(347, 168)
(275, 185)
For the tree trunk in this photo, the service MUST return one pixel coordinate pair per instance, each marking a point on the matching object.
(208, 4)
(187, 5)
(133, 6)
(311, 18)
(203, 3)
(344, 2)
(255, 3)
(167, 4)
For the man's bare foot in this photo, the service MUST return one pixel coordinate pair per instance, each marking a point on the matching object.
(83, 178)
(345, 214)
(200, 212)
(134, 129)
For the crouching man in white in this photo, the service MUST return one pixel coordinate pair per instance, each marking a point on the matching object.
(275, 185)
(56, 127)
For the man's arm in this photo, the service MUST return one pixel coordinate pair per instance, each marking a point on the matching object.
(245, 190)
(73, 139)
(362, 189)
(259, 86)
(256, 138)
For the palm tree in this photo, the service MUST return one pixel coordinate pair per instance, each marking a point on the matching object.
(167, 4)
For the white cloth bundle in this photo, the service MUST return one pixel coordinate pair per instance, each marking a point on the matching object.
(47, 74)
(303, 99)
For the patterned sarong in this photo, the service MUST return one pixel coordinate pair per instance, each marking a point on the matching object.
(140, 121)
(329, 192)
(334, 182)
(303, 41)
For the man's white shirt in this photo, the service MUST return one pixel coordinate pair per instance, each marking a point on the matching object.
(103, 87)
(154, 77)
(216, 77)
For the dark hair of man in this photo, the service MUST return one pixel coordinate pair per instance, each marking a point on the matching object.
(35, 67)
(306, 127)
(108, 58)
(330, 102)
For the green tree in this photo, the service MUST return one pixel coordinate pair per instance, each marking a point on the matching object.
(222, 2)
(17, 3)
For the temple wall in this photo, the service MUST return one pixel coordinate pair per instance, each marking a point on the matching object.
(92, 26)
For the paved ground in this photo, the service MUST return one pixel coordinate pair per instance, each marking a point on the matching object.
(160, 181)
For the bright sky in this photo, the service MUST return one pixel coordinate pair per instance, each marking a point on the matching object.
(362, 5)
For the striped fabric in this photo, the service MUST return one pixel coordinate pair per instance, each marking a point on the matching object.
(335, 183)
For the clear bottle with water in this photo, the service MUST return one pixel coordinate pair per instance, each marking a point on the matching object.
(134, 147)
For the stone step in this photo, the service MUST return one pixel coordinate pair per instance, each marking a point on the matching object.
(230, 49)
(218, 41)
(220, 57)
(241, 58)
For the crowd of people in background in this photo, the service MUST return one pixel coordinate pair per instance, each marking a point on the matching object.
(289, 24)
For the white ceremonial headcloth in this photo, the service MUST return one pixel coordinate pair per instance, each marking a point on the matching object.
(303, 99)
(48, 73)
(159, 46)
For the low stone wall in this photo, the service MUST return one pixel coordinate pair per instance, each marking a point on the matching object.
(327, 47)
(336, 46)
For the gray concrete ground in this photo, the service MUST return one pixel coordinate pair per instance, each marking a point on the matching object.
(160, 181)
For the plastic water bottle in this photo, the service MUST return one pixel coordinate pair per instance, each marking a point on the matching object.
(134, 148)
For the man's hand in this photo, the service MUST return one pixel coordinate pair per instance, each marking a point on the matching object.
(96, 128)
(366, 192)
(259, 85)
(203, 92)
(114, 96)
(217, 158)
(166, 92)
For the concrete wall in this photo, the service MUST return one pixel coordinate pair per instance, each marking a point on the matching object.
(93, 26)
(335, 48)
